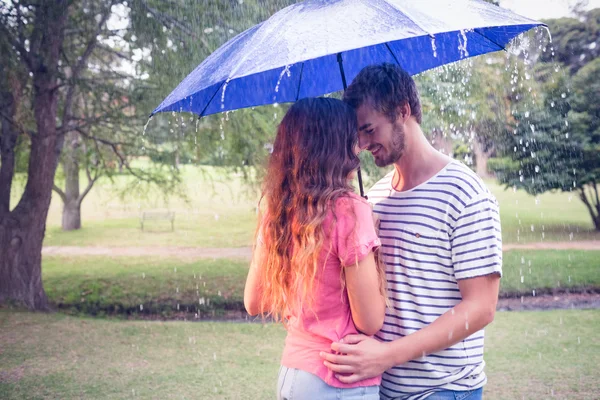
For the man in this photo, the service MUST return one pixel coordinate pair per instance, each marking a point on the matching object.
(440, 233)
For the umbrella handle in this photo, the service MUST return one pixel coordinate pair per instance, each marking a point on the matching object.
(340, 63)
(360, 184)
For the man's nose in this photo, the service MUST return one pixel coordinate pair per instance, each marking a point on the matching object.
(363, 141)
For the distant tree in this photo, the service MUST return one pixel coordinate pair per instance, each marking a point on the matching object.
(555, 145)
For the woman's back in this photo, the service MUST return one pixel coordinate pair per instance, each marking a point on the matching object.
(349, 237)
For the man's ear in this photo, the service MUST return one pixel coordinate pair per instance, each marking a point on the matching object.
(403, 112)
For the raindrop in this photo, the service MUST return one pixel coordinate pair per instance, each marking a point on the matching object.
(146, 126)
(462, 46)
(141, 307)
(143, 275)
(434, 48)
(533, 292)
(563, 95)
(537, 170)
(215, 356)
(223, 93)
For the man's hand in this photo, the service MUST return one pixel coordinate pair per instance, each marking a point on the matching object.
(361, 357)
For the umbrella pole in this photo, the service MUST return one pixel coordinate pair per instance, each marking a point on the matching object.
(358, 174)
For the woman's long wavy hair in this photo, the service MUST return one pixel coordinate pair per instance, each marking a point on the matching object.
(313, 155)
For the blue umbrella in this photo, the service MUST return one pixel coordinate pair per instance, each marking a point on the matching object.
(315, 47)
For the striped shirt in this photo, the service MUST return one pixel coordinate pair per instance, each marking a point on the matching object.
(444, 230)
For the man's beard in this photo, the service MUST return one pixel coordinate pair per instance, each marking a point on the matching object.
(396, 149)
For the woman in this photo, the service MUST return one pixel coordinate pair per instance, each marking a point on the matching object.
(314, 265)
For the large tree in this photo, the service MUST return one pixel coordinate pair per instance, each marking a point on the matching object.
(555, 143)
(64, 80)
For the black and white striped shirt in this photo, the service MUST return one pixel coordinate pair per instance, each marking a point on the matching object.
(444, 230)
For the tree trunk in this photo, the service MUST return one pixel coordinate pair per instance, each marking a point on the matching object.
(595, 215)
(481, 160)
(22, 230)
(71, 217)
(8, 142)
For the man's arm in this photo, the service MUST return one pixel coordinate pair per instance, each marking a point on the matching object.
(363, 357)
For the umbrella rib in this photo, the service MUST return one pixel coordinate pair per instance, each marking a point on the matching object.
(489, 40)
(392, 53)
(299, 82)
(211, 99)
(413, 20)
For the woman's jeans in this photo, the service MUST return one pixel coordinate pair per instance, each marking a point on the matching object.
(452, 395)
(295, 384)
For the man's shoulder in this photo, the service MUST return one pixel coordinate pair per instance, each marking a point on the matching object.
(464, 184)
(381, 189)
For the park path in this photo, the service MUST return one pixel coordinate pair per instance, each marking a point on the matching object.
(246, 252)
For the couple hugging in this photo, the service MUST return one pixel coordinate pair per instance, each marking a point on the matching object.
(381, 298)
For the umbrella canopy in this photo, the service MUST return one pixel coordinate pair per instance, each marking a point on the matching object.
(315, 47)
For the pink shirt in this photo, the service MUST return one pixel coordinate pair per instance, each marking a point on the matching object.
(351, 240)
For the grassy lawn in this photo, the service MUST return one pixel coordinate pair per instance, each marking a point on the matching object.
(544, 270)
(130, 285)
(549, 217)
(531, 355)
(122, 284)
(222, 213)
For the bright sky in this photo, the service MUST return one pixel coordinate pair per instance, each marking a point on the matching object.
(544, 9)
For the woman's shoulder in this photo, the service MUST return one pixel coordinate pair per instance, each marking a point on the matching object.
(351, 201)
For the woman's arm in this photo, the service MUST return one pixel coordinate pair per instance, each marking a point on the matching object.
(253, 289)
(367, 303)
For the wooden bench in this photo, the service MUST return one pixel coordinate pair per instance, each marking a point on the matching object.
(158, 216)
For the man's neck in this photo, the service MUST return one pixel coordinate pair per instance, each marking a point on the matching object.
(419, 163)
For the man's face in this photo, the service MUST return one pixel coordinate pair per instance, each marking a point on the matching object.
(384, 139)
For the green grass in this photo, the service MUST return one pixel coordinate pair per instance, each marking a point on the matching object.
(144, 286)
(544, 271)
(119, 285)
(554, 216)
(530, 355)
(53, 356)
(221, 213)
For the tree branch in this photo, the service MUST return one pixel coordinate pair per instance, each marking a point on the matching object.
(101, 140)
(62, 194)
(18, 45)
(595, 187)
(83, 123)
(90, 184)
(82, 61)
(165, 19)
(16, 125)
